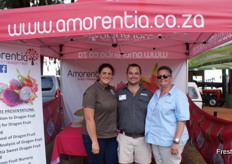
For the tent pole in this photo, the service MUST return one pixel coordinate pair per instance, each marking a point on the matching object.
(41, 64)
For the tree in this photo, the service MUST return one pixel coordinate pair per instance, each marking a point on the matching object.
(14, 3)
(7, 4)
(45, 2)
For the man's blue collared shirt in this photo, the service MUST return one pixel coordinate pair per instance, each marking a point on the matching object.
(162, 116)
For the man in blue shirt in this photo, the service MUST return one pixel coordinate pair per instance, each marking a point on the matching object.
(168, 111)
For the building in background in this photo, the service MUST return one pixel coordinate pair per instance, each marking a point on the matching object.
(51, 66)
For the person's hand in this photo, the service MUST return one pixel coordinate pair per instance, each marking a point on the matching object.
(174, 149)
(95, 148)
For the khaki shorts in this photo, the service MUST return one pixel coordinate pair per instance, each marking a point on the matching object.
(133, 150)
(162, 154)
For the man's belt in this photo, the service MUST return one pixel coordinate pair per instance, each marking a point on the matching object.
(133, 135)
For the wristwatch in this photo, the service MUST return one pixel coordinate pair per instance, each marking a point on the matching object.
(176, 141)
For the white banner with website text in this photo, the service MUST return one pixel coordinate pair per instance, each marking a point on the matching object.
(21, 116)
(77, 75)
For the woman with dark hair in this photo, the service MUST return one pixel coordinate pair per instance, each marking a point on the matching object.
(100, 119)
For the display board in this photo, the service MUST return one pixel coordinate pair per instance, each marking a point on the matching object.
(77, 75)
(21, 116)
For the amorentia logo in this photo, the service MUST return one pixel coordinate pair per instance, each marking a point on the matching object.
(33, 55)
(30, 55)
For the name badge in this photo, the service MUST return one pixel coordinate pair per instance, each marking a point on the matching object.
(143, 94)
(122, 97)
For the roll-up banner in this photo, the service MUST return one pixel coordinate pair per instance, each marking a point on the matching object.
(21, 116)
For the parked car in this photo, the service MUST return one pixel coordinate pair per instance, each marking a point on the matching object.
(50, 87)
(213, 97)
(194, 94)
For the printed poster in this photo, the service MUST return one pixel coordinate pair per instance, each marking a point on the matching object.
(78, 75)
(21, 116)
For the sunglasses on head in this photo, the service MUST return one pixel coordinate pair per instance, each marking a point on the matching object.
(164, 76)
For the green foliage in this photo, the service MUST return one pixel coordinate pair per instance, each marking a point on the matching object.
(8, 4)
